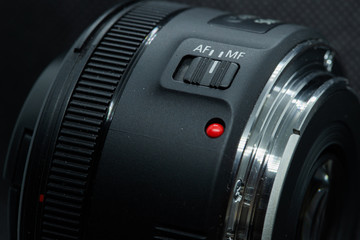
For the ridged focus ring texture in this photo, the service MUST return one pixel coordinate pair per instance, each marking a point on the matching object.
(79, 140)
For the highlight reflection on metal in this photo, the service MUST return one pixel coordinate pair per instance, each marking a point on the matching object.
(270, 138)
(329, 60)
(152, 35)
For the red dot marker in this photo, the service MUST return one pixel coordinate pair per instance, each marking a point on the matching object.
(41, 198)
(215, 130)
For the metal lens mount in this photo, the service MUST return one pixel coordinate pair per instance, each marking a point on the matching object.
(269, 142)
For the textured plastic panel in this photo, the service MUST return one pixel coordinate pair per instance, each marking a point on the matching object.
(80, 135)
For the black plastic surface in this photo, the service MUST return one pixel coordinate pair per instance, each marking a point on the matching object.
(180, 179)
(48, 127)
(150, 170)
(246, 23)
(35, 32)
(73, 145)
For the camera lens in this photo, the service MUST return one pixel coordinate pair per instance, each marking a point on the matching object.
(165, 121)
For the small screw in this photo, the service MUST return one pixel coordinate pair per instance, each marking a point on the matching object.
(329, 60)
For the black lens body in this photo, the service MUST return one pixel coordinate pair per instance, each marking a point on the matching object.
(112, 141)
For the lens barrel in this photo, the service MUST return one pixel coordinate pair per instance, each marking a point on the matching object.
(165, 121)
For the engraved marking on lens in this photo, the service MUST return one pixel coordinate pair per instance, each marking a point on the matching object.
(235, 54)
(266, 21)
(202, 49)
(239, 189)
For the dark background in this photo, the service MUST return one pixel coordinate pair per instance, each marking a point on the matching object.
(35, 32)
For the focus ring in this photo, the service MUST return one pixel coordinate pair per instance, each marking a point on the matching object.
(79, 140)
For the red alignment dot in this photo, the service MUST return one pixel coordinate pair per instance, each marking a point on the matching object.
(215, 130)
(41, 198)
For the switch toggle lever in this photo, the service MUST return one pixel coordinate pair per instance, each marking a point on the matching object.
(206, 72)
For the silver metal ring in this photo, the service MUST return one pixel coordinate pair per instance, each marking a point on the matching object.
(270, 138)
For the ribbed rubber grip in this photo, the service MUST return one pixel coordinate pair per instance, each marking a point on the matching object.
(79, 140)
